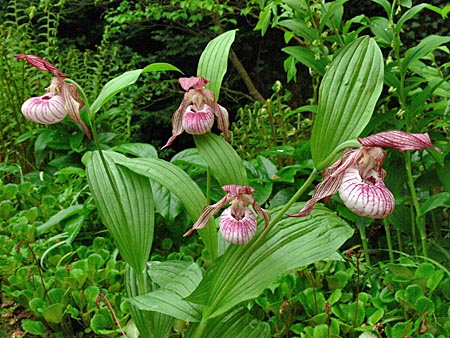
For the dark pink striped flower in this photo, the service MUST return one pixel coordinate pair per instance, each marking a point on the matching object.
(358, 175)
(195, 115)
(237, 222)
(47, 109)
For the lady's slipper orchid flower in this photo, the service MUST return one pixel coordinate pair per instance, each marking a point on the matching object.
(195, 115)
(61, 98)
(237, 222)
(358, 175)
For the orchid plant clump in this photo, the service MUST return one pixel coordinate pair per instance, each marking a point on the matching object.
(254, 255)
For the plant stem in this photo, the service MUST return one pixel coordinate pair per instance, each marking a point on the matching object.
(293, 199)
(200, 328)
(361, 224)
(413, 228)
(420, 220)
(388, 240)
(208, 184)
(399, 240)
(355, 323)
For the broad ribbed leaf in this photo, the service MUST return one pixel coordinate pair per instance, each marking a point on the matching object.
(226, 165)
(164, 273)
(149, 323)
(178, 182)
(127, 211)
(137, 149)
(169, 299)
(347, 97)
(214, 60)
(239, 323)
(124, 80)
(243, 272)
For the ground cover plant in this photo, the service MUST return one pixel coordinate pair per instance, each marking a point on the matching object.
(327, 220)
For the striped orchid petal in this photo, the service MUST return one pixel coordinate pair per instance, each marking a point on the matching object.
(399, 140)
(41, 64)
(207, 212)
(192, 82)
(46, 109)
(237, 231)
(332, 178)
(198, 122)
(366, 196)
(73, 105)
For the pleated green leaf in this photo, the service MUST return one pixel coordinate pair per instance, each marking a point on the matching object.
(226, 165)
(347, 97)
(127, 211)
(169, 299)
(214, 60)
(164, 273)
(124, 80)
(179, 183)
(243, 272)
(238, 323)
(149, 323)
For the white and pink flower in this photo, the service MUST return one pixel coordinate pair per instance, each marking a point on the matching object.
(61, 98)
(195, 115)
(238, 221)
(358, 175)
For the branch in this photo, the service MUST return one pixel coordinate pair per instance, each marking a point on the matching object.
(245, 77)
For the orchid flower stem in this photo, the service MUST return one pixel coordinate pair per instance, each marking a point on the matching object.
(413, 229)
(399, 240)
(361, 224)
(389, 240)
(293, 199)
(420, 220)
(208, 184)
(201, 328)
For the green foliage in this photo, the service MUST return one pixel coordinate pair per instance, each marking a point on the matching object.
(126, 205)
(278, 128)
(348, 93)
(46, 268)
(321, 301)
(60, 265)
(32, 28)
